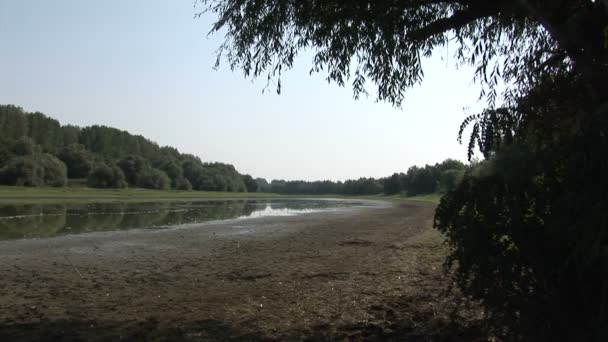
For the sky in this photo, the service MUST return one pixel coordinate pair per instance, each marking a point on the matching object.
(146, 66)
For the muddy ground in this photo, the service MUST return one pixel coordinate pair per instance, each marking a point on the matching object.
(366, 274)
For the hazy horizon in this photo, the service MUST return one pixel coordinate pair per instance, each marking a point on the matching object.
(146, 67)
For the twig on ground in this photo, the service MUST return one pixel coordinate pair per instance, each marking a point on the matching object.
(77, 271)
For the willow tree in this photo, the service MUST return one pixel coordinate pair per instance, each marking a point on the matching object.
(527, 228)
(383, 41)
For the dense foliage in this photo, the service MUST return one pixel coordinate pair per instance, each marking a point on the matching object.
(77, 159)
(527, 226)
(38, 169)
(105, 176)
(36, 150)
(154, 179)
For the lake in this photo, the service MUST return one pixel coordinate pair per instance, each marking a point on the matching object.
(49, 220)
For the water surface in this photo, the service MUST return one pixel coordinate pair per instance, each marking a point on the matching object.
(48, 220)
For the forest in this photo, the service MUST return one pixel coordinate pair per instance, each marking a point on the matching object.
(36, 150)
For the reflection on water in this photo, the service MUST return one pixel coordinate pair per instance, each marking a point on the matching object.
(47, 220)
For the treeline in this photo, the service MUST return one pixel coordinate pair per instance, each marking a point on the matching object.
(440, 177)
(36, 150)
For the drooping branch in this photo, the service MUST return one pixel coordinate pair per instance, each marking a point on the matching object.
(457, 20)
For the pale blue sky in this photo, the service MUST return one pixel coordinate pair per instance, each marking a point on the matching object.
(146, 66)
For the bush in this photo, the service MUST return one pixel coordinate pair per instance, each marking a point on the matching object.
(34, 170)
(104, 176)
(154, 179)
(132, 167)
(181, 183)
(77, 159)
(55, 171)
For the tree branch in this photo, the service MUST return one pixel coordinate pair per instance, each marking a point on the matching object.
(456, 21)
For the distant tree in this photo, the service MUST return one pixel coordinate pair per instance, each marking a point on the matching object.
(132, 166)
(225, 177)
(393, 185)
(151, 178)
(263, 185)
(105, 176)
(173, 169)
(450, 164)
(55, 171)
(13, 122)
(115, 144)
(182, 183)
(6, 152)
(34, 170)
(422, 180)
(250, 183)
(45, 131)
(23, 171)
(362, 186)
(210, 179)
(24, 146)
(277, 186)
(77, 159)
(192, 169)
(70, 134)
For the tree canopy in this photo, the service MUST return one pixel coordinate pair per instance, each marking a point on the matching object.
(106, 156)
(383, 41)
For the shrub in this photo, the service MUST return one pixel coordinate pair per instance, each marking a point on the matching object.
(154, 179)
(181, 183)
(77, 159)
(55, 171)
(34, 170)
(132, 167)
(105, 176)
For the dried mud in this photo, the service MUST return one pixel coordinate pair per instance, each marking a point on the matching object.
(366, 274)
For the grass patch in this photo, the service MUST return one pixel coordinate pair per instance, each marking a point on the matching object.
(75, 193)
(433, 198)
(18, 194)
